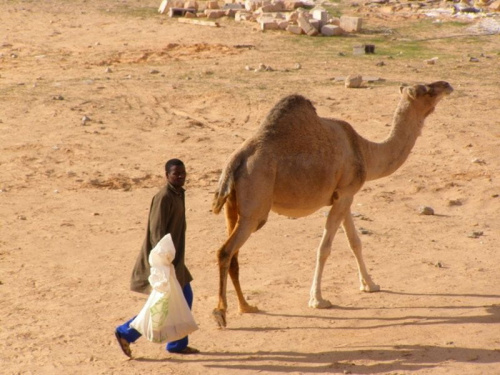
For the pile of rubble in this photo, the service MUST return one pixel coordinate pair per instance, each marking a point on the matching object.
(431, 8)
(294, 16)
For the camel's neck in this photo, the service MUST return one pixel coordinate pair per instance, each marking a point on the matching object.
(386, 157)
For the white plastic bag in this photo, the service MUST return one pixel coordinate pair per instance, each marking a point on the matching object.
(166, 315)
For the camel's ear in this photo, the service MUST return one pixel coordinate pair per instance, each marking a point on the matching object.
(416, 91)
(402, 88)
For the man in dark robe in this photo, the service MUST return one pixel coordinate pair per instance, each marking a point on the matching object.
(166, 215)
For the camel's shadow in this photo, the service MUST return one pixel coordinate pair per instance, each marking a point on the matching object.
(369, 359)
(359, 360)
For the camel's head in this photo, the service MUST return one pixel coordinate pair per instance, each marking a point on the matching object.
(427, 95)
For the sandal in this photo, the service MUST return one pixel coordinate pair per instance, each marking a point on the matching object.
(124, 345)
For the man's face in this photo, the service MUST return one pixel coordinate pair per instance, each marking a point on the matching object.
(176, 175)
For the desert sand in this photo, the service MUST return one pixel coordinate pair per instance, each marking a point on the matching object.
(97, 95)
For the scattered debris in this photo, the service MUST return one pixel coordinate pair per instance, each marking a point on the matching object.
(297, 17)
(85, 119)
(475, 234)
(431, 61)
(365, 231)
(197, 22)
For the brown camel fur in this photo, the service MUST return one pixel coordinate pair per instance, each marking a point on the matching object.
(297, 163)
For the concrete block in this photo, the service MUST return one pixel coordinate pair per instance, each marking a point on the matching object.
(191, 4)
(315, 23)
(295, 29)
(268, 24)
(321, 15)
(212, 4)
(332, 30)
(235, 6)
(180, 12)
(306, 26)
(242, 16)
(215, 13)
(350, 24)
(282, 24)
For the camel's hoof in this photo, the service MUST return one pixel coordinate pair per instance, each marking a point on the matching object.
(370, 288)
(249, 309)
(319, 304)
(220, 317)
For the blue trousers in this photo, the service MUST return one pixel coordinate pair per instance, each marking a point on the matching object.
(131, 335)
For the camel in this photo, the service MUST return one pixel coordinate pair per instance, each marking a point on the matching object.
(297, 163)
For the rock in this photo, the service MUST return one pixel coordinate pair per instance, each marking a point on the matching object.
(353, 81)
(475, 234)
(431, 61)
(85, 119)
(426, 210)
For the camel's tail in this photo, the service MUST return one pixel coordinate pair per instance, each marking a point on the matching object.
(226, 182)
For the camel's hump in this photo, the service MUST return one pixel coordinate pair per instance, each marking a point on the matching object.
(288, 111)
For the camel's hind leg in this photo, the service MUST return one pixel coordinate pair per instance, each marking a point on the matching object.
(366, 283)
(234, 268)
(335, 216)
(227, 257)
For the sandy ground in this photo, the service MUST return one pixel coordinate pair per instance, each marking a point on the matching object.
(74, 197)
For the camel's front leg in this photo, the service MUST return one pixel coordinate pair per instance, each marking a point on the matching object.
(332, 224)
(225, 257)
(315, 300)
(366, 283)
